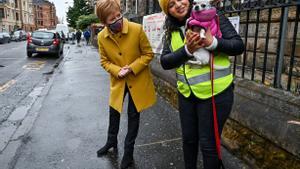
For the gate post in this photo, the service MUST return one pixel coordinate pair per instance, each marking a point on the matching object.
(281, 48)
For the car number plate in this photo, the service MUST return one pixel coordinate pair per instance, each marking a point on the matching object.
(42, 49)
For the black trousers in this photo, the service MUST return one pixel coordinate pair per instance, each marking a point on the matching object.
(133, 125)
(196, 118)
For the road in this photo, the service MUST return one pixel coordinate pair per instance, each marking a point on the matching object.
(22, 81)
(19, 75)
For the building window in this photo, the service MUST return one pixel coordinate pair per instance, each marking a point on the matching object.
(16, 4)
(17, 16)
(124, 5)
(156, 7)
(1, 13)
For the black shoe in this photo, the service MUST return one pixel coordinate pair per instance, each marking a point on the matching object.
(127, 161)
(105, 148)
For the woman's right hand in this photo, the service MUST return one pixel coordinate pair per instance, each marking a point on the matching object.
(192, 41)
(124, 71)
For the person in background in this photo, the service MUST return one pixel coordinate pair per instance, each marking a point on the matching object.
(129, 74)
(194, 84)
(78, 36)
(87, 35)
(63, 36)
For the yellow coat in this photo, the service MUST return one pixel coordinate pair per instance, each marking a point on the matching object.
(129, 47)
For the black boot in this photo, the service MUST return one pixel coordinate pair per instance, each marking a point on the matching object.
(113, 129)
(103, 151)
(127, 160)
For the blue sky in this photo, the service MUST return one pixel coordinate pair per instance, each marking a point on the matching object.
(61, 8)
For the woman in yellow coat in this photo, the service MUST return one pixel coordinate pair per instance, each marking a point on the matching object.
(125, 54)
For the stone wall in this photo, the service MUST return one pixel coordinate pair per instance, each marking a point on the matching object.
(263, 128)
(271, 52)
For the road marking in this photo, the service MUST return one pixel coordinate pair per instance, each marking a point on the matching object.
(35, 65)
(68, 51)
(7, 85)
(10, 58)
(294, 122)
(158, 142)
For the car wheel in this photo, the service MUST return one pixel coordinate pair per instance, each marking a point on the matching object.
(57, 54)
(29, 54)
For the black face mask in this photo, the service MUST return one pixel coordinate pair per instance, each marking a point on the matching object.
(116, 26)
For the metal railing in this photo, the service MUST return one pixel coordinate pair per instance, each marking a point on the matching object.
(265, 23)
(270, 30)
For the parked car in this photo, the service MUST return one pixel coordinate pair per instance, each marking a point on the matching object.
(4, 37)
(63, 31)
(19, 35)
(44, 42)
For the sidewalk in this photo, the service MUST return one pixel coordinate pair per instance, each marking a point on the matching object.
(73, 120)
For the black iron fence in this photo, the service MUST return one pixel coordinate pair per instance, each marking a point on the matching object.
(270, 29)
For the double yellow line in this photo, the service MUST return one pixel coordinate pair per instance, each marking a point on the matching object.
(7, 85)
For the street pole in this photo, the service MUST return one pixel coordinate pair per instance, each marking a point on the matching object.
(21, 13)
(280, 58)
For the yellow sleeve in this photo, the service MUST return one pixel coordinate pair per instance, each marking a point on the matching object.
(111, 68)
(146, 54)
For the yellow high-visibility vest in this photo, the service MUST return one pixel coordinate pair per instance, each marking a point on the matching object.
(197, 79)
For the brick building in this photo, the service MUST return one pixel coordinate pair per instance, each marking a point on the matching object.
(45, 14)
(16, 14)
(27, 15)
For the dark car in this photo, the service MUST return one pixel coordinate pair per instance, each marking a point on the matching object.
(44, 42)
(4, 37)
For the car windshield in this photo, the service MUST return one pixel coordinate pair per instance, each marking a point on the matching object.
(43, 35)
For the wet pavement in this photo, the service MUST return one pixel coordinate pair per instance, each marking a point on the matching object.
(19, 75)
(73, 121)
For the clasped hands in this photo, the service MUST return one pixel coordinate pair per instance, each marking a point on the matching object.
(124, 71)
(194, 42)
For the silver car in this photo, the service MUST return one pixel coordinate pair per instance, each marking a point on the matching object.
(19, 35)
(4, 37)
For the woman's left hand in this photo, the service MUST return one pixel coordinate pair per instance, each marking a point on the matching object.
(124, 71)
(208, 40)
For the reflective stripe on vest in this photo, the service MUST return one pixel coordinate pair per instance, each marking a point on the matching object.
(204, 77)
(197, 80)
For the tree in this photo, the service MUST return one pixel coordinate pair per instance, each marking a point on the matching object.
(86, 20)
(80, 7)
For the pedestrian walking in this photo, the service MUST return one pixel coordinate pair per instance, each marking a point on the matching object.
(204, 104)
(73, 36)
(87, 35)
(129, 74)
(78, 36)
